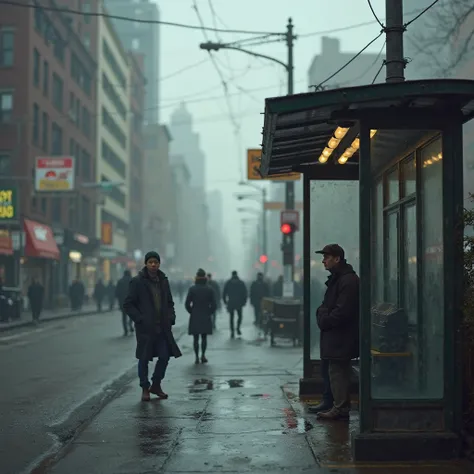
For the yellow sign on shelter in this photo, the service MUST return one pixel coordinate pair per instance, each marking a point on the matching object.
(254, 156)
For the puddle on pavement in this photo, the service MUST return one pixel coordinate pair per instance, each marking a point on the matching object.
(296, 426)
(201, 385)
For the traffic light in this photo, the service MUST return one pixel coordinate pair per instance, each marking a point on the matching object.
(287, 228)
(263, 259)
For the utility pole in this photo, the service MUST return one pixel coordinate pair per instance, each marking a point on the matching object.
(264, 229)
(394, 29)
(288, 244)
(287, 247)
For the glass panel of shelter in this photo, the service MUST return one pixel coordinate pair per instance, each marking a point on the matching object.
(334, 219)
(407, 274)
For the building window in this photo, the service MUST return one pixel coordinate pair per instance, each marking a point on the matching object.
(86, 122)
(36, 125)
(112, 62)
(86, 165)
(111, 125)
(45, 134)
(36, 67)
(86, 8)
(87, 40)
(72, 147)
(113, 160)
(56, 139)
(111, 93)
(85, 215)
(57, 92)
(7, 40)
(78, 72)
(115, 193)
(44, 205)
(6, 106)
(71, 214)
(5, 164)
(45, 78)
(56, 210)
(58, 48)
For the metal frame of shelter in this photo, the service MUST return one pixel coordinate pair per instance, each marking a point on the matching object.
(365, 133)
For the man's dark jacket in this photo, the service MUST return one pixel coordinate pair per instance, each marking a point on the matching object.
(259, 289)
(235, 293)
(338, 316)
(139, 305)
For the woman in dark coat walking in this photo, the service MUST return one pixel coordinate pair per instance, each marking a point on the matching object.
(150, 305)
(201, 305)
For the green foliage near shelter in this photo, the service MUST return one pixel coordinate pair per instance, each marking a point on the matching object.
(468, 328)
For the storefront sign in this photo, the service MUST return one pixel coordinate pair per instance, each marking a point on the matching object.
(82, 239)
(54, 174)
(6, 245)
(8, 204)
(75, 257)
(106, 233)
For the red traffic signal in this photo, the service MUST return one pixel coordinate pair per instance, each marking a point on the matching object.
(263, 259)
(287, 228)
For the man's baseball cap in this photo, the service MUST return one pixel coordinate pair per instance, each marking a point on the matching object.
(334, 250)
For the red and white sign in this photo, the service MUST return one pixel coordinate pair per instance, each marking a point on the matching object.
(54, 174)
(290, 217)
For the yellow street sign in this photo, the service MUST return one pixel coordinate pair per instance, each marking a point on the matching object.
(254, 156)
(280, 206)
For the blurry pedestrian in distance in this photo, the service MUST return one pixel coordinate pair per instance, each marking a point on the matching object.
(235, 297)
(217, 293)
(111, 294)
(99, 294)
(259, 289)
(121, 291)
(150, 305)
(180, 290)
(277, 289)
(36, 297)
(201, 305)
(76, 295)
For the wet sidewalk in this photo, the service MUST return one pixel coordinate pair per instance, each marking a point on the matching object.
(49, 315)
(239, 413)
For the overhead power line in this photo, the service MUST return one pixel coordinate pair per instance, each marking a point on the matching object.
(422, 12)
(70, 11)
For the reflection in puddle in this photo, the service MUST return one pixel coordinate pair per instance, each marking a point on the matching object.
(201, 385)
(297, 426)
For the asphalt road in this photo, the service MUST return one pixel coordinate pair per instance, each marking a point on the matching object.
(56, 376)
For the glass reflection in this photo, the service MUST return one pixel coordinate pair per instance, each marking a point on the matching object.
(432, 321)
(409, 176)
(334, 219)
(407, 328)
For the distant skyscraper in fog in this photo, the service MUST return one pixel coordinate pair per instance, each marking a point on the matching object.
(186, 142)
(142, 38)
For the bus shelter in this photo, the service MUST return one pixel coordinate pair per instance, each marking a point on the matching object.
(383, 177)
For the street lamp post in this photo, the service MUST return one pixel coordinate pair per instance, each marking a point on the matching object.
(288, 245)
(263, 192)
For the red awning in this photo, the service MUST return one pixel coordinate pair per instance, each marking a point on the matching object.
(40, 241)
(6, 247)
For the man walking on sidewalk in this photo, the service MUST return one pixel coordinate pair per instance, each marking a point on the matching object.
(338, 320)
(121, 291)
(36, 297)
(235, 297)
(150, 305)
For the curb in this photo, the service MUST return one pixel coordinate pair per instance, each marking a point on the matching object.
(58, 317)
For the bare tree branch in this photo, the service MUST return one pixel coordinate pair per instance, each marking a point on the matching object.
(447, 38)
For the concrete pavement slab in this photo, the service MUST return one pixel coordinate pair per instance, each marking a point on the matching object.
(240, 413)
